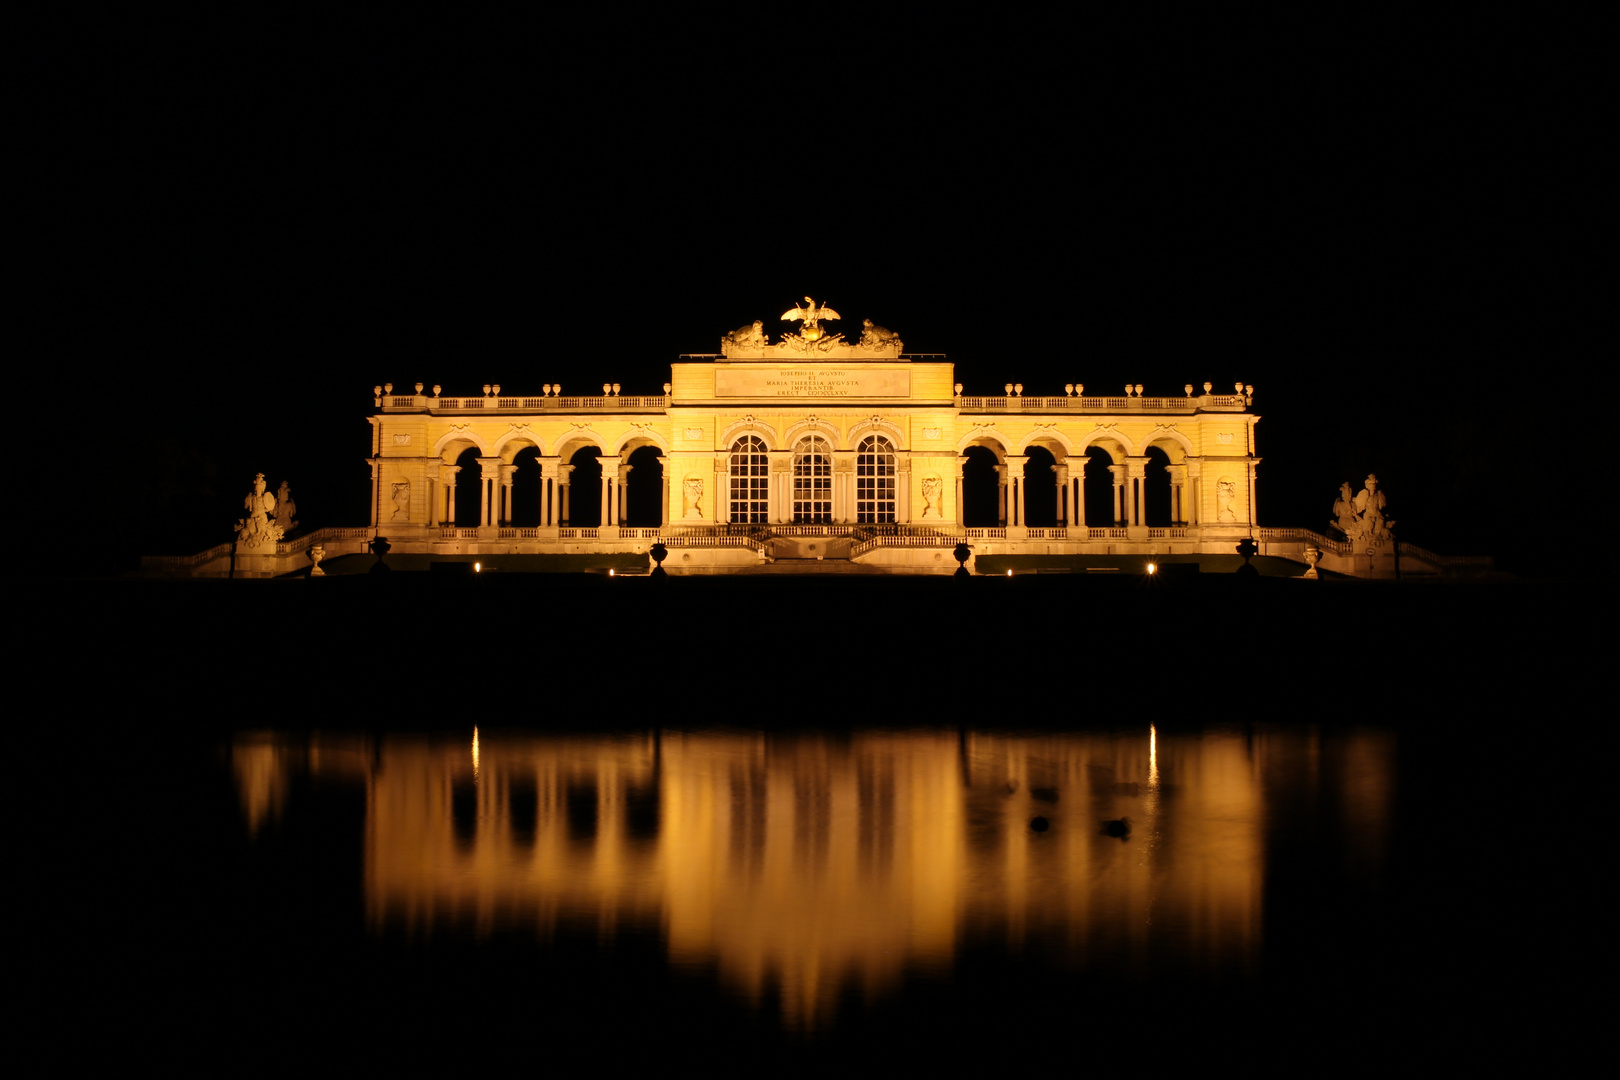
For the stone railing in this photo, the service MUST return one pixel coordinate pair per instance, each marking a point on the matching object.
(535, 403)
(690, 540)
(810, 530)
(1014, 403)
(330, 535)
(1303, 536)
(1445, 560)
(177, 564)
(894, 540)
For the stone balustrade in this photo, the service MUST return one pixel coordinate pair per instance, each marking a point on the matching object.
(394, 403)
(1015, 403)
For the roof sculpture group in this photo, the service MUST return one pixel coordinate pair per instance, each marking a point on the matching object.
(752, 342)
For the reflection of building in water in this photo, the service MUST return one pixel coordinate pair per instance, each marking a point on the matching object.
(803, 867)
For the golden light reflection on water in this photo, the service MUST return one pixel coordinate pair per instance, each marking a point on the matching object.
(803, 866)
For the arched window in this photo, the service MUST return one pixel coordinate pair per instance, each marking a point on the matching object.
(874, 481)
(750, 477)
(812, 481)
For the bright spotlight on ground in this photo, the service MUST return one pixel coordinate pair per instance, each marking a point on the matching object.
(1153, 568)
(478, 568)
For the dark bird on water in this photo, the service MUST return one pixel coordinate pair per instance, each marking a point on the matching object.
(1120, 827)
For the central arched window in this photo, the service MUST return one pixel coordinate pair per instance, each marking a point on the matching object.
(750, 480)
(874, 481)
(812, 481)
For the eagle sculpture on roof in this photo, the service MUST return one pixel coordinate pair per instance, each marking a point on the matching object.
(811, 315)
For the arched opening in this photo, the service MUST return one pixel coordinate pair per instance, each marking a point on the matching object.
(644, 494)
(981, 505)
(469, 488)
(1099, 488)
(1040, 488)
(874, 481)
(1156, 489)
(812, 481)
(585, 488)
(750, 502)
(526, 488)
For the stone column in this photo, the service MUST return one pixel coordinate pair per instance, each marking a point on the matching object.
(548, 492)
(606, 502)
(843, 486)
(961, 490)
(722, 489)
(623, 500)
(565, 476)
(1017, 487)
(449, 472)
(1254, 512)
(1001, 494)
(1118, 473)
(1135, 495)
(1061, 489)
(508, 472)
(1077, 494)
(1195, 491)
(663, 514)
(489, 507)
(376, 488)
(902, 489)
(1178, 494)
(780, 486)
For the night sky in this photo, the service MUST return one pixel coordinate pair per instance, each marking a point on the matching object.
(1386, 236)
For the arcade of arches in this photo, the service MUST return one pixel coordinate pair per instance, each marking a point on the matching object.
(749, 453)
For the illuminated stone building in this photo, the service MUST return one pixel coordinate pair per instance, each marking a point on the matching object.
(811, 448)
(811, 452)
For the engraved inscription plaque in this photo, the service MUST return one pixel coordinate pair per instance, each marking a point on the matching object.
(810, 381)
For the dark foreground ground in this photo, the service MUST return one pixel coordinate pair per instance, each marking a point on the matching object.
(1481, 681)
(417, 648)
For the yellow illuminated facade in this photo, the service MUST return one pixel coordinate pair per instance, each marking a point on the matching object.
(810, 448)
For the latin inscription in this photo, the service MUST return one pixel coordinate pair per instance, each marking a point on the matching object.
(810, 382)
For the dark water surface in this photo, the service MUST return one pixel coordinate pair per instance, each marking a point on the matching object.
(776, 822)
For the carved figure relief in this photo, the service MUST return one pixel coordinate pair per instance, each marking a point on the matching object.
(693, 491)
(285, 508)
(1225, 496)
(931, 488)
(402, 501)
(257, 529)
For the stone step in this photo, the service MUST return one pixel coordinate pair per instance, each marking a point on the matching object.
(812, 566)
